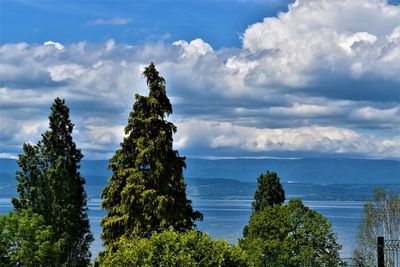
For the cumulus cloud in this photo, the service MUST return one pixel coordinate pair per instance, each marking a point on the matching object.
(315, 39)
(334, 140)
(16, 131)
(113, 21)
(55, 44)
(322, 77)
(194, 49)
(64, 71)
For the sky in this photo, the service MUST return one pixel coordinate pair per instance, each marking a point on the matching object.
(272, 78)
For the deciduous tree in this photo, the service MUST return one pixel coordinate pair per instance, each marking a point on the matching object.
(26, 240)
(290, 235)
(170, 248)
(381, 218)
(286, 235)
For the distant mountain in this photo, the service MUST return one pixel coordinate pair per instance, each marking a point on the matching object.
(312, 179)
(308, 170)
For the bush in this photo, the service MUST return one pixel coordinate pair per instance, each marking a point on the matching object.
(170, 248)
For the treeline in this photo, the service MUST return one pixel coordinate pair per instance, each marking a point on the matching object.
(149, 221)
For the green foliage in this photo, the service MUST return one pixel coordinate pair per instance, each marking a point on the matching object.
(269, 191)
(170, 248)
(50, 184)
(29, 179)
(290, 235)
(146, 192)
(381, 218)
(26, 240)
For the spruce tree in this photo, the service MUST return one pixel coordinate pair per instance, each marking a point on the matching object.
(269, 191)
(146, 192)
(50, 184)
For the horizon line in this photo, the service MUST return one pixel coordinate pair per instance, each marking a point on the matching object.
(249, 157)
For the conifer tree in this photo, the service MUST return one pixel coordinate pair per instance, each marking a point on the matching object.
(50, 184)
(269, 191)
(146, 192)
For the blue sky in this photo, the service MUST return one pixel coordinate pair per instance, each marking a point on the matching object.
(135, 22)
(246, 78)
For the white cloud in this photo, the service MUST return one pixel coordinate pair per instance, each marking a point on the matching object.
(334, 140)
(19, 131)
(7, 155)
(355, 37)
(57, 45)
(104, 135)
(113, 21)
(305, 110)
(373, 114)
(65, 71)
(193, 49)
(315, 78)
(347, 42)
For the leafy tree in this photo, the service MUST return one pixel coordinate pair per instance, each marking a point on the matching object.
(269, 191)
(170, 248)
(381, 218)
(26, 240)
(290, 235)
(146, 192)
(50, 184)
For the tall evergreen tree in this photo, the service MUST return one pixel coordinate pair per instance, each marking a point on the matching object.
(146, 192)
(50, 184)
(269, 191)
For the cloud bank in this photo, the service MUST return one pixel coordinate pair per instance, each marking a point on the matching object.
(322, 78)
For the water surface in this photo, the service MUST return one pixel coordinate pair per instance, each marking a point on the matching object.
(226, 218)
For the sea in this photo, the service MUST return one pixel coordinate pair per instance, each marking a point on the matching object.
(222, 190)
(226, 218)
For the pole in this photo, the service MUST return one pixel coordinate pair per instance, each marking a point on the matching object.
(381, 252)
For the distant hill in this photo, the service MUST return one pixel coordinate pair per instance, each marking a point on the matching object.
(308, 170)
(233, 189)
(312, 179)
